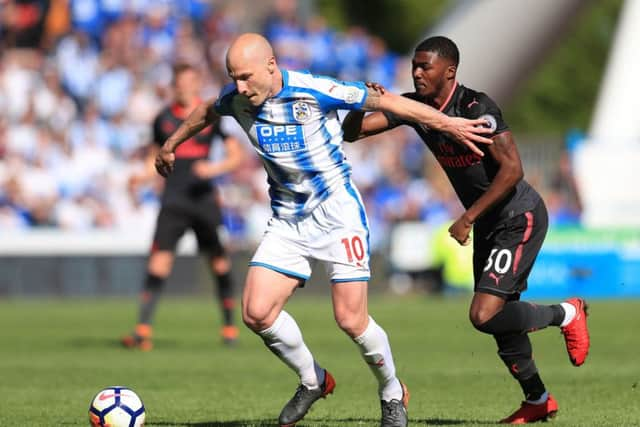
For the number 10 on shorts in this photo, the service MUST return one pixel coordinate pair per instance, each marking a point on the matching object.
(353, 247)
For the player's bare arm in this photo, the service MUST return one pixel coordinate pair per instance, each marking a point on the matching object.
(356, 126)
(203, 116)
(234, 155)
(510, 172)
(465, 131)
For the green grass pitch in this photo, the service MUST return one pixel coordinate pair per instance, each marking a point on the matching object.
(56, 354)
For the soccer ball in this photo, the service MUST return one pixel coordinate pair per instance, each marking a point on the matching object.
(116, 407)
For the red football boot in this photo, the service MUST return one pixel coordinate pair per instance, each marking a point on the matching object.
(140, 339)
(530, 413)
(229, 334)
(576, 333)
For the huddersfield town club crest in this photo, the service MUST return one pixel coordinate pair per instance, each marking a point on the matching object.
(301, 111)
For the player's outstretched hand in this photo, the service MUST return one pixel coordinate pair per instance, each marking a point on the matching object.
(165, 161)
(376, 86)
(469, 132)
(460, 231)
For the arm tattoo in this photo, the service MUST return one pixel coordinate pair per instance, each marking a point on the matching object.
(373, 100)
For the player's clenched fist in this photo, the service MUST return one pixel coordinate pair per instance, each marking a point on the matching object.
(164, 162)
(460, 230)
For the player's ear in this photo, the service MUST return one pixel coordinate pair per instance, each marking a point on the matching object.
(451, 71)
(271, 65)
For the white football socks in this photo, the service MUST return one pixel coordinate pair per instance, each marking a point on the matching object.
(543, 399)
(284, 339)
(569, 313)
(376, 351)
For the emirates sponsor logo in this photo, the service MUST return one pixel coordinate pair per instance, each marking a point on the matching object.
(459, 161)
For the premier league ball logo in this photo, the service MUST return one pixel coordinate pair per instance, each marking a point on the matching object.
(301, 111)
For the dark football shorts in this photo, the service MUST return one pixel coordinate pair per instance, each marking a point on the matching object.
(175, 219)
(503, 255)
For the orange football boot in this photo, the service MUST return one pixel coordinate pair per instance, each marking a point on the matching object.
(530, 413)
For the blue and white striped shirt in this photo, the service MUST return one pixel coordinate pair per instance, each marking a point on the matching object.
(298, 137)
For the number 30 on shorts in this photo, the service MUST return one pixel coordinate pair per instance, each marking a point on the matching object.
(500, 260)
(353, 247)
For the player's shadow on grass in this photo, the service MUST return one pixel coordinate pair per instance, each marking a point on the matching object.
(318, 422)
(92, 342)
(104, 343)
(447, 422)
(412, 421)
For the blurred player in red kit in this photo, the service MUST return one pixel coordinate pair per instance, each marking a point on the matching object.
(188, 202)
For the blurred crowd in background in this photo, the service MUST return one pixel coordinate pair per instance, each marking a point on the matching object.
(81, 80)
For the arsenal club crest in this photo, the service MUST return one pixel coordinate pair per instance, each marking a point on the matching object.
(301, 111)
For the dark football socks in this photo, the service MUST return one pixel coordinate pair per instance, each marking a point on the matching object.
(516, 353)
(510, 327)
(225, 296)
(519, 317)
(149, 298)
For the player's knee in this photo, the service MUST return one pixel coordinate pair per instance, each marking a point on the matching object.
(254, 323)
(160, 263)
(220, 265)
(257, 318)
(351, 323)
(479, 317)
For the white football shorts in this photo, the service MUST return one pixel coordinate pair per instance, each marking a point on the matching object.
(335, 233)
